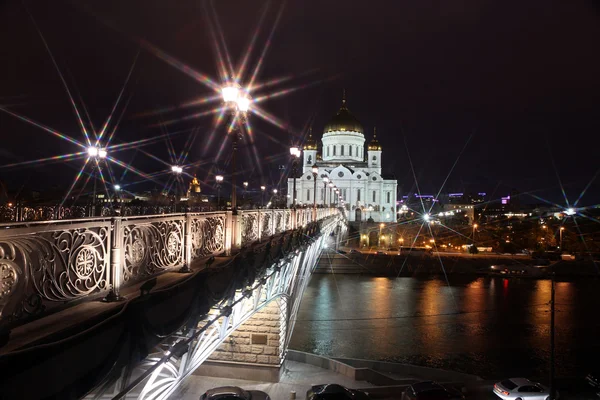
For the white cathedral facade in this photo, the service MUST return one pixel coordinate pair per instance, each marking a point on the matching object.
(367, 194)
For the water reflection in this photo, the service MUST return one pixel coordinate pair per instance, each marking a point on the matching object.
(470, 326)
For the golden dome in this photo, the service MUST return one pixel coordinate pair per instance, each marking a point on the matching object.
(194, 185)
(310, 143)
(374, 144)
(344, 121)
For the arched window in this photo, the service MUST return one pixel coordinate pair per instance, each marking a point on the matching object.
(374, 198)
(358, 195)
(307, 194)
(328, 151)
(388, 197)
(342, 150)
(334, 150)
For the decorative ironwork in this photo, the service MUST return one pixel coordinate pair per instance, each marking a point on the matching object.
(208, 235)
(151, 246)
(45, 264)
(249, 227)
(55, 265)
(266, 225)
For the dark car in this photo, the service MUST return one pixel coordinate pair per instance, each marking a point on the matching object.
(593, 379)
(234, 393)
(335, 392)
(354, 251)
(430, 391)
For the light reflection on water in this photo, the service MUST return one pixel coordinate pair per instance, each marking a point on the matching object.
(486, 326)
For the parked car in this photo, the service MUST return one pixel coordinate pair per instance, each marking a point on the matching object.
(521, 389)
(430, 391)
(381, 253)
(593, 379)
(335, 392)
(354, 251)
(234, 393)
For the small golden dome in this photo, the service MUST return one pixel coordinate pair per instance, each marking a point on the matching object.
(374, 144)
(310, 143)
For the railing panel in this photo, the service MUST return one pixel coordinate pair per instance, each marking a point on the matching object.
(266, 224)
(208, 233)
(151, 245)
(44, 265)
(249, 227)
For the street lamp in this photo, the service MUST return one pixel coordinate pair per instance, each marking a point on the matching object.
(562, 228)
(475, 226)
(315, 171)
(238, 102)
(245, 189)
(262, 189)
(219, 179)
(97, 154)
(325, 180)
(177, 170)
(274, 197)
(330, 193)
(295, 152)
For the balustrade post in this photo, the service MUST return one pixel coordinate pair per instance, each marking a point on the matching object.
(273, 222)
(229, 233)
(293, 218)
(259, 227)
(187, 240)
(237, 231)
(115, 261)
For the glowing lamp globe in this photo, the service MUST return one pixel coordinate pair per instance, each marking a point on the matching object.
(230, 92)
(243, 102)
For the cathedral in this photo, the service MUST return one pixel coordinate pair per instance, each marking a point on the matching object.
(342, 161)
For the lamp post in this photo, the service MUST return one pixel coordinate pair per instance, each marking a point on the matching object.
(330, 193)
(274, 198)
(245, 189)
(97, 154)
(380, 228)
(315, 171)
(325, 180)
(177, 170)
(562, 228)
(237, 101)
(219, 179)
(262, 189)
(295, 152)
(475, 226)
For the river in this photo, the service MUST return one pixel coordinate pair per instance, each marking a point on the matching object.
(491, 327)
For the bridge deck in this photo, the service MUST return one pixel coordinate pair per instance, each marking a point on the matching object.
(56, 324)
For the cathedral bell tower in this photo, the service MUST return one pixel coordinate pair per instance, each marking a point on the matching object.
(310, 153)
(374, 153)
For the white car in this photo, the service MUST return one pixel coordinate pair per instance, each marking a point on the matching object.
(521, 389)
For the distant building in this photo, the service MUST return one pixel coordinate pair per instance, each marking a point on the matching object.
(366, 191)
(194, 188)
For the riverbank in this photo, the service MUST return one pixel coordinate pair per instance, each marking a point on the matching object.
(431, 264)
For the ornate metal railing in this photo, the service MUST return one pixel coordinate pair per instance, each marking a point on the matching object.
(159, 374)
(44, 265)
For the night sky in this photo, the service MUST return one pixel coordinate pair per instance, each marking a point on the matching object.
(516, 84)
